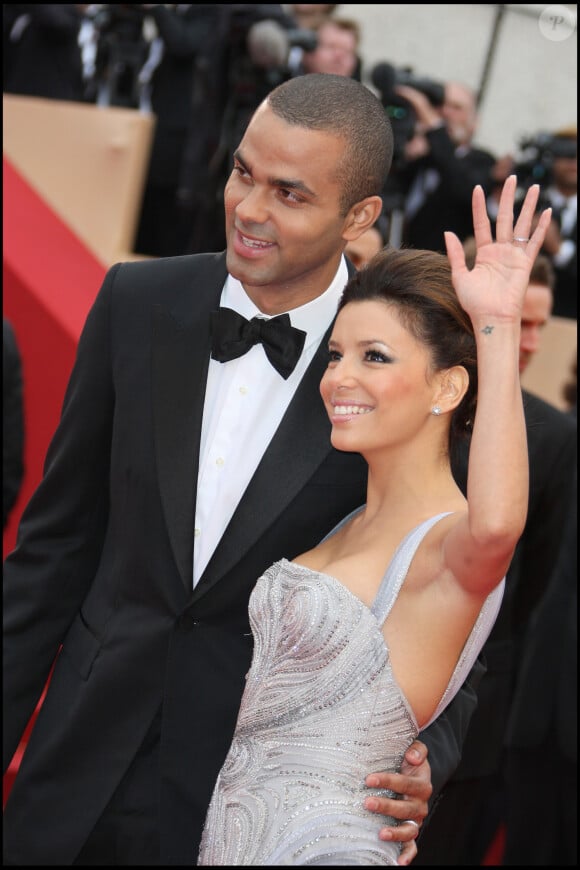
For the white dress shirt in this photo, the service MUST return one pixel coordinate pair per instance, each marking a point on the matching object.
(245, 401)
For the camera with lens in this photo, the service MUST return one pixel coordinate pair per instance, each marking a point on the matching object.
(536, 158)
(302, 38)
(122, 50)
(258, 51)
(386, 78)
(270, 46)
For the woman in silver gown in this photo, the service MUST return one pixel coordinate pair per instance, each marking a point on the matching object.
(361, 642)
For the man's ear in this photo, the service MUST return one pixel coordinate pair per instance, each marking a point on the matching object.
(361, 216)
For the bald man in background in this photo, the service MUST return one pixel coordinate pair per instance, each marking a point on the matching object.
(441, 167)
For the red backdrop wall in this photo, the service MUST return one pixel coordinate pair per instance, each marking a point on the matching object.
(50, 280)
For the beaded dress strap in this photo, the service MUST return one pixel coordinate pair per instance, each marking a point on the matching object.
(391, 585)
(399, 566)
(342, 522)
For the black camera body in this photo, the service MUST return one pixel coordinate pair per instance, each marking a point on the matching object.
(433, 90)
(537, 155)
(122, 50)
(400, 112)
(257, 47)
(302, 38)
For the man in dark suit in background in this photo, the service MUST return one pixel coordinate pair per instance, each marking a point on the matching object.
(475, 795)
(174, 479)
(186, 102)
(542, 732)
(203, 76)
(561, 242)
(441, 166)
(42, 51)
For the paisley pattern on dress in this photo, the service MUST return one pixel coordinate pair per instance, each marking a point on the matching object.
(320, 711)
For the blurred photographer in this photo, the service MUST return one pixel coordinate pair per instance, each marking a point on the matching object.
(122, 49)
(336, 49)
(438, 165)
(42, 56)
(551, 160)
(561, 239)
(261, 46)
(250, 52)
(174, 75)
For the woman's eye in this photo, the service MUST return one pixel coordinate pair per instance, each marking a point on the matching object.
(333, 356)
(377, 356)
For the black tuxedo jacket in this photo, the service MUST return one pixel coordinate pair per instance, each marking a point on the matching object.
(102, 570)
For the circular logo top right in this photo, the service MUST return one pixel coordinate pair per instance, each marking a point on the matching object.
(557, 23)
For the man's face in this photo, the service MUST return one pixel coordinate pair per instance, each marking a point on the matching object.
(284, 226)
(458, 112)
(536, 311)
(335, 52)
(565, 174)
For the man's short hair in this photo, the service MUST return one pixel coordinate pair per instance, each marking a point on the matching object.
(543, 272)
(349, 25)
(348, 109)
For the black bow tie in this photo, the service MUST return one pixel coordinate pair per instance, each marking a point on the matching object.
(232, 336)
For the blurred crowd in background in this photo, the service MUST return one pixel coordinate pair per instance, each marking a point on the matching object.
(202, 69)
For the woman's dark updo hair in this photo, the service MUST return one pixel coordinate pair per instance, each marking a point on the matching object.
(418, 284)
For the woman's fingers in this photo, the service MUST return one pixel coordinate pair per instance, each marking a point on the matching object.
(504, 226)
(481, 224)
(525, 219)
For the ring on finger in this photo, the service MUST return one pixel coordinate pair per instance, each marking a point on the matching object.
(410, 822)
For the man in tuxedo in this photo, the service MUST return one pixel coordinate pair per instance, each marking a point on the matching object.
(476, 791)
(187, 460)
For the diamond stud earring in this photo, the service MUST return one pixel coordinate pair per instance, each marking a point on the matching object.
(436, 410)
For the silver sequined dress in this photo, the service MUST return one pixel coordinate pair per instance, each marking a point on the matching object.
(321, 710)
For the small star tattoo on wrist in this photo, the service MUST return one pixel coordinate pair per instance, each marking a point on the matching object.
(487, 330)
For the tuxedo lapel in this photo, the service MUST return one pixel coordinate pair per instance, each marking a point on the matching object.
(180, 360)
(300, 445)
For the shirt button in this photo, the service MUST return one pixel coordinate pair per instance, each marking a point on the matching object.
(243, 390)
(196, 533)
(220, 461)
